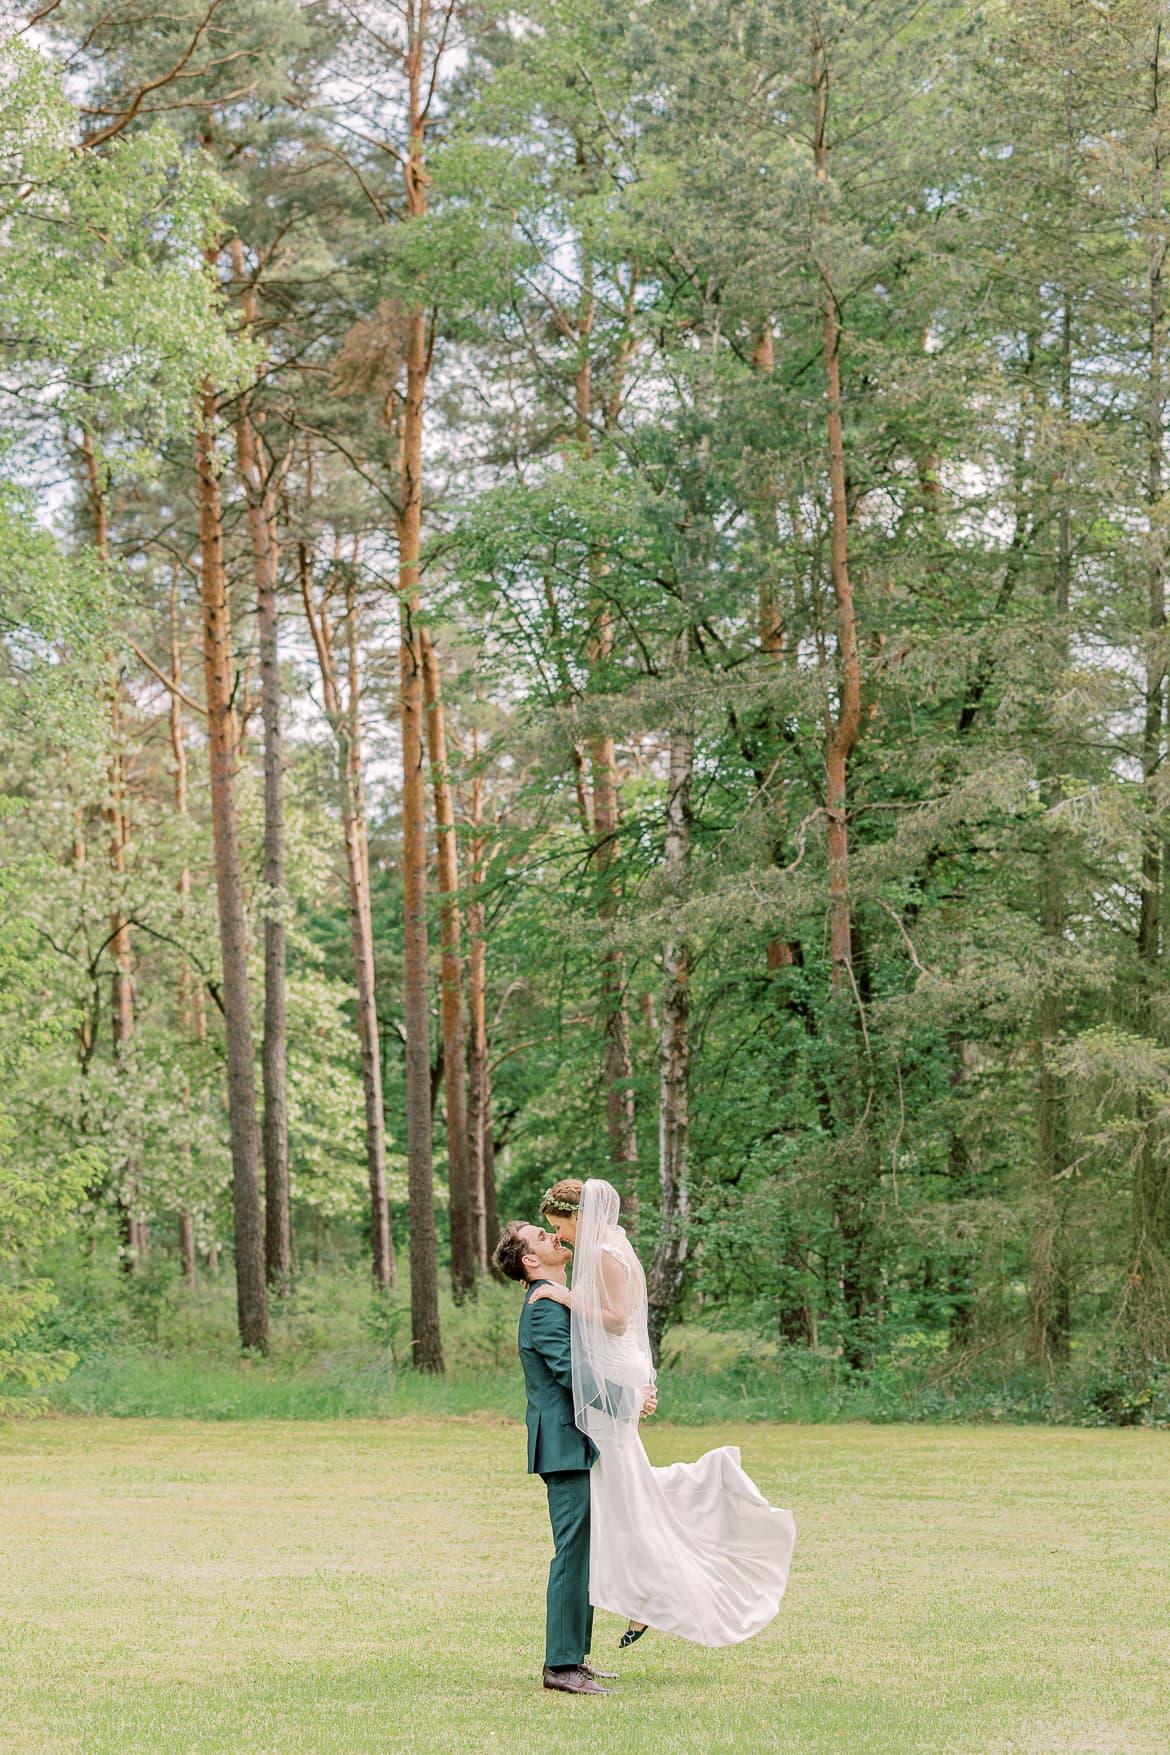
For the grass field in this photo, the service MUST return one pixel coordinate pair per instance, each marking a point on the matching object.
(378, 1586)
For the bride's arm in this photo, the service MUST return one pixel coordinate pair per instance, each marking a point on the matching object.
(615, 1294)
(558, 1294)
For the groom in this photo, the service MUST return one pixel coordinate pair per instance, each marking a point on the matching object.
(557, 1452)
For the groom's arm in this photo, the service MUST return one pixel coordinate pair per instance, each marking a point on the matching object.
(550, 1338)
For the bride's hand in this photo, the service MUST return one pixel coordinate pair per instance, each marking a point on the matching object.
(559, 1295)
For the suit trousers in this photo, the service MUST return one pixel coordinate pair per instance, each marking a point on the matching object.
(569, 1618)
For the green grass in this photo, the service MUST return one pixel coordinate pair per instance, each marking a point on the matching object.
(141, 1385)
(216, 1383)
(378, 1586)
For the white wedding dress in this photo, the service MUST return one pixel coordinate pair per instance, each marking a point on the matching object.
(693, 1548)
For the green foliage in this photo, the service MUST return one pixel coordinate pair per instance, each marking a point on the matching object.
(103, 297)
(37, 1197)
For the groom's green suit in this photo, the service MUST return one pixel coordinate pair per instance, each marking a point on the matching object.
(562, 1457)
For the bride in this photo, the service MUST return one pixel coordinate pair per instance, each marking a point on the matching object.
(694, 1548)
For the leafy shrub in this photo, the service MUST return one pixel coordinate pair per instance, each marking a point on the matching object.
(1123, 1391)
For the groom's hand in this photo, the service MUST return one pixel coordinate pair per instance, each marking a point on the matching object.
(650, 1403)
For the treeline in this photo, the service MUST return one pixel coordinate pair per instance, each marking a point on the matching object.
(586, 592)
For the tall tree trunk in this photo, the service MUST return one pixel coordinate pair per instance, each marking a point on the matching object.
(478, 1116)
(619, 1065)
(618, 1060)
(853, 1187)
(426, 1343)
(770, 622)
(841, 734)
(1149, 1278)
(666, 1271)
(796, 1321)
(220, 682)
(770, 617)
(187, 1246)
(1048, 1316)
(87, 1023)
(382, 1239)
(192, 1016)
(564, 696)
(1049, 1337)
(464, 1256)
(122, 979)
(261, 498)
(664, 1282)
(274, 1051)
(345, 720)
(961, 1165)
(491, 1211)
(117, 818)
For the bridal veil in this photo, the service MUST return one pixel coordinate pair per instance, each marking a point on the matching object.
(612, 1369)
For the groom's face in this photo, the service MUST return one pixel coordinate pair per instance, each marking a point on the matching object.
(542, 1250)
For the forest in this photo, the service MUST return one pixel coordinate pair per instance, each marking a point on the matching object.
(583, 592)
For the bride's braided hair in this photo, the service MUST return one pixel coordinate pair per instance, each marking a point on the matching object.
(563, 1198)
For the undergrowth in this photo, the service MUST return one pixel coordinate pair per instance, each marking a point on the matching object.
(146, 1346)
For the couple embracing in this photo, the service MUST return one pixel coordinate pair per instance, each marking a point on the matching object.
(693, 1549)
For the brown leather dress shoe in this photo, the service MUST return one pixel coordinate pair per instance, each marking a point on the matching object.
(576, 1681)
(599, 1675)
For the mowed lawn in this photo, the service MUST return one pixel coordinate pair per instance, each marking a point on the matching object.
(378, 1586)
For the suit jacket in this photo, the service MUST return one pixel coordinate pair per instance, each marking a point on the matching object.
(554, 1443)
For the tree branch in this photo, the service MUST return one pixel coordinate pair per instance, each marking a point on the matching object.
(123, 120)
(167, 682)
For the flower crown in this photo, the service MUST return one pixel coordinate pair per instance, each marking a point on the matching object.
(549, 1203)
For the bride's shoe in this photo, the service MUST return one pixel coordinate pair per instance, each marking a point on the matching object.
(632, 1632)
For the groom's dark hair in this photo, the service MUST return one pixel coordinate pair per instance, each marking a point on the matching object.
(510, 1251)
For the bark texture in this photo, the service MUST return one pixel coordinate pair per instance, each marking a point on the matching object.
(344, 717)
(187, 1249)
(667, 1268)
(482, 1199)
(781, 952)
(1049, 1302)
(620, 1120)
(1148, 1302)
(426, 1343)
(842, 732)
(260, 490)
(464, 1254)
(220, 682)
(192, 1014)
(854, 1186)
(117, 817)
